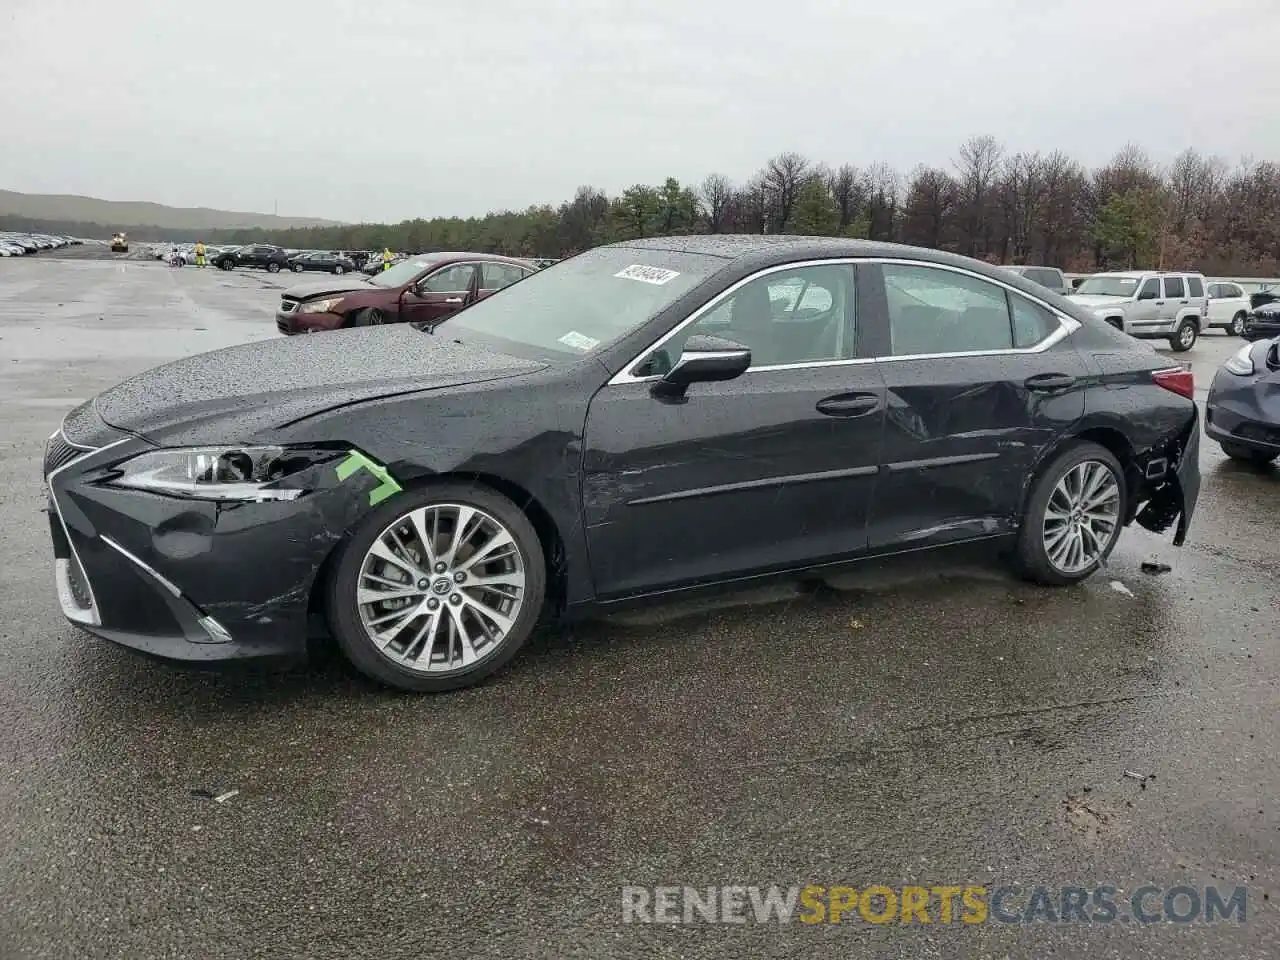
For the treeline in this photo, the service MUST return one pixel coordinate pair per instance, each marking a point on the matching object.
(86, 230)
(988, 202)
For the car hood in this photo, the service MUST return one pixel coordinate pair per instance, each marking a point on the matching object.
(343, 284)
(236, 394)
(1095, 300)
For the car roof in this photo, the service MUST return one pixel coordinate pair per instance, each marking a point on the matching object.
(763, 250)
(447, 256)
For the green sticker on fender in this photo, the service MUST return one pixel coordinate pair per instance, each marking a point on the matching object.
(357, 461)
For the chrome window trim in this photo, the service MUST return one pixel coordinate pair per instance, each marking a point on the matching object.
(1066, 325)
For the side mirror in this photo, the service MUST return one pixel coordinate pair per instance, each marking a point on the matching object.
(705, 359)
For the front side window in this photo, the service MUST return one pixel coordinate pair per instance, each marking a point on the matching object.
(1173, 287)
(940, 311)
(801, 315)
(1217, 291)
(453, 279)
(1150, 289)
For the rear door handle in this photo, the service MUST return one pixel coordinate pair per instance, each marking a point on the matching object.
(1184, 302)
(850, 405)
(1050, 381)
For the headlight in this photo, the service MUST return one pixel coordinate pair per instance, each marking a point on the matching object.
(218, 473)
(320, 306)
(1241, 362)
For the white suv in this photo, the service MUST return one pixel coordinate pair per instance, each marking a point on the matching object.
(1149, 304)
(1228, 306)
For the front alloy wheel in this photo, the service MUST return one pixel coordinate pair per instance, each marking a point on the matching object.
(1184, 338)
(273, 268)
(439, 588)
(1237, 325)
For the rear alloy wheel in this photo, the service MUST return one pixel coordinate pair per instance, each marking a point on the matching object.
(1237, 451)
(1184, 338)
(339, 269)
(438, 588)
(1074, 516)
(1237, 325)
(369, 317)
(273, 268)
(298, 268)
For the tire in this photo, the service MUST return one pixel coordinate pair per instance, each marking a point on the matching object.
(225, 264)
(1033, 553)
(297, 268)
(1184, 338)
(273, 267)
(1236, 329)
(339, 269)
(402, 666)
(369, 317)
(1245, 454)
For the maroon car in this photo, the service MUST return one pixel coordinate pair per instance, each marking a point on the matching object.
(428, 287)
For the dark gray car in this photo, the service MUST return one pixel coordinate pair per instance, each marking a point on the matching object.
(1243, 410)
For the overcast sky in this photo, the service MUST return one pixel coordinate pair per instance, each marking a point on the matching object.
(387, 109)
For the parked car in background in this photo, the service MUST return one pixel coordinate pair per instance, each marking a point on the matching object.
(1148, 304)
(373, 262)
(262, 256)
(1051, 278)
(1242, 411)
(1228, 306)
(1263, 322)
(120, 243)
(428, 288)
(1264, 294)
(322, 262)
(642, 419)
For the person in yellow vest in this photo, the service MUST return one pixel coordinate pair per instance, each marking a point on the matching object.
(386, 258)
(200, 253)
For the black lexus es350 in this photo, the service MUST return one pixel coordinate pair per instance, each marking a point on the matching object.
(637, 420)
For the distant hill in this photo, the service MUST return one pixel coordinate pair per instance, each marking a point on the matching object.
(121, 214)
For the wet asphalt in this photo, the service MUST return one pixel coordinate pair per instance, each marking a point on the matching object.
(935, 724)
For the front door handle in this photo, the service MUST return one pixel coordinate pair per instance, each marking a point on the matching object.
(850, 405)
(1050, 381)
(454, 300)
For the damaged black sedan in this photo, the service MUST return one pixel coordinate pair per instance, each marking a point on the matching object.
(642, 419)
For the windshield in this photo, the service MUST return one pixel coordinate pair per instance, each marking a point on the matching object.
(402, 272)
(588, 301)
(1108, 286)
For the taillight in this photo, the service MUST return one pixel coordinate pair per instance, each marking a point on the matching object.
(1178, 380)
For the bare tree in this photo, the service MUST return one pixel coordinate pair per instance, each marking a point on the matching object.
(783, 178)
(848, 191)
(714, 195)
(929, 209)
(1022, 199)
(977, 170)
(884, 188)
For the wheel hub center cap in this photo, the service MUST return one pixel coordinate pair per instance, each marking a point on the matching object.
(442, 586)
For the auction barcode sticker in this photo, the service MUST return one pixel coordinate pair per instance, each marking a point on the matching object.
(638, 271)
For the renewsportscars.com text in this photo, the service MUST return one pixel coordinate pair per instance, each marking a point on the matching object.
(942, 903)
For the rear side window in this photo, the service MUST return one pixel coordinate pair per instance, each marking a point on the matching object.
(1195, 286)
(939, 311)
(1031, 322)
(1173, 287)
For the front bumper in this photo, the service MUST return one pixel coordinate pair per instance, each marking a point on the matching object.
(1244, 411)
(1261, 327)
(187, 579)
(290, 322)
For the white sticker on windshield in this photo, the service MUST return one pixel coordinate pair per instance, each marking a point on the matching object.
(638, 271)
(579, 341)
